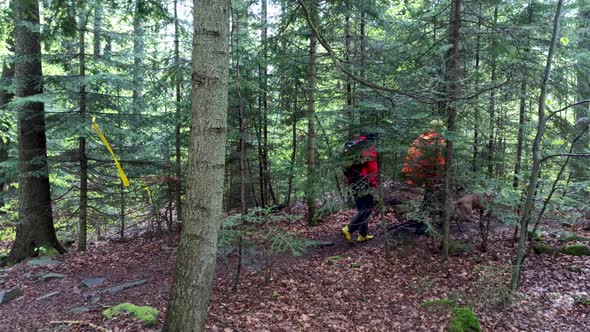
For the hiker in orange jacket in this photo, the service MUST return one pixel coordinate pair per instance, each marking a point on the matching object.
(362, 177)
(424, 165)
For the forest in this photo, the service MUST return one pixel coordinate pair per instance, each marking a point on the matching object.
(294, 165)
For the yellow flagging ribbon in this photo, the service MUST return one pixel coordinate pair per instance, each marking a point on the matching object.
(108, 146)
(149, 193)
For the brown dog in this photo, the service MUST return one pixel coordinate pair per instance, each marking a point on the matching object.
(478, 202)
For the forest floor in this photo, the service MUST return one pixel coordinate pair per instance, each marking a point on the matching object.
(335, 288)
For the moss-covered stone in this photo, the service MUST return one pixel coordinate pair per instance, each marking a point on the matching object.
(566, 237)
(332, 260)
(574, 268)
(438, 304)
(464, 320)
(535, 236)
(458, 248)
(569, 237)
(146, 314)
(575, 250)
(541, 249)
(47, 251)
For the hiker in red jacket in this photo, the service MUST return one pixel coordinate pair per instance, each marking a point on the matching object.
(361, 176)
(424, 165)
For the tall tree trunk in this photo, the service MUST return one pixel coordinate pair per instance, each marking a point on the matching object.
(195, 263)
(259, 132)
(522, 113)
(35, 227)
(242, 123)
(536, 164)
(311, 79)
(138, 50)
(580, 170)
(83, 214)
(6, 80)
(453, 76)
(5, 97)
(177, 82)
(474, 164)
(520, 136)
(97, 28)
(293, 148)
(364, 117)
(348, 87)
(492, 101)
(264, 72)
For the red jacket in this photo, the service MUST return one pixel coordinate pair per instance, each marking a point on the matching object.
(425, 161)
(365, 170)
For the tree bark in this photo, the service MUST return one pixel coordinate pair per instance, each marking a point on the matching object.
(453, 75)
(348, 87)
(35, 227)
(580, 170)
(97, 29)
(311, 79)
(138, 50)
(83, 213)
(178, 113)
(474, 164)
(242, 123)
(492, 102)
(536, 157)
(6, 79)
(189, 300)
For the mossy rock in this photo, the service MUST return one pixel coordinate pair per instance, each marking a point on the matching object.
(439, 304)
(146, 314)
(458, 248)
(574, 268)
(575, 250)
(332, 260)
(46, 251)
(541, 249)
(567, 237)
(464, 320)
(534, 236)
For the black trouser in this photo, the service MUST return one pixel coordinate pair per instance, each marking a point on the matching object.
(364, 205)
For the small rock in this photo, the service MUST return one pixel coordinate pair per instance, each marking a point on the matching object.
(85, 308)
(92, 282)
(120, 287)
(43, 261)
(9, 295)
(2, 281)
(52, 276)
(574, 268)
(321, 244)
(48, 295)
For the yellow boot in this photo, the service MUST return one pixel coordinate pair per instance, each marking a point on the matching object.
(361, 238)
(347, 234)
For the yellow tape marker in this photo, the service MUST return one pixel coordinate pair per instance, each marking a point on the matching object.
(108, 146)
(149, 193)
